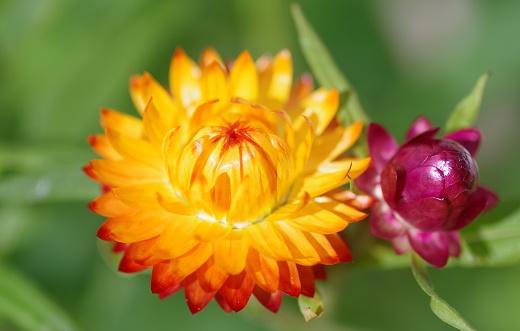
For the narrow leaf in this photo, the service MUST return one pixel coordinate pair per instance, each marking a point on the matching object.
(25, 306)
(441, 308)
(465, 113)
(311, 307)
(327, 72)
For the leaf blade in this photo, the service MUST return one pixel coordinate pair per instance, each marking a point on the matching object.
(439, 307)
(326, 70)
(465, 113)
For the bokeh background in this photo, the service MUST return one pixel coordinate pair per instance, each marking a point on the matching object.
(62, 60)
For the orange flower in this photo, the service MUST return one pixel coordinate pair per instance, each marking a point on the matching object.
(219, 190)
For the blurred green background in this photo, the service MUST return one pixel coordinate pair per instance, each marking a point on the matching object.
(62, 60)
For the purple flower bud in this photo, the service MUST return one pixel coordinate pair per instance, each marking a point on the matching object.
(427, 189)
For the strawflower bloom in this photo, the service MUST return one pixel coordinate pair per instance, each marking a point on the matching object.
(221, 187)
(426, 189)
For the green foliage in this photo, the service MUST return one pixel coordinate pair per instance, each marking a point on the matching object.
(441, 308)
(22, 303)
(328, 75)
(465, 113)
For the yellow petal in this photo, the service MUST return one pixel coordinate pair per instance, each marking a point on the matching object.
(304, 141)
(266, 239)
(213, 83)
(314, 218)
(230, 253)
(184, 79)
(301, 250)
(144, 196)
(333, 174)
(210, 56)
(344, 211)
(281, 80)
(122, 123)
(321, 106)
(208, 231)
(330, 145)
(135, 149)
(117, 173)
(154, 126)
(243, 79)
(145, 87)
(101, 145)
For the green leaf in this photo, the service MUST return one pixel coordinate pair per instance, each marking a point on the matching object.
(25, 306)
(311, 307)
(496, 239)
(465, 113)
(441, 308)
(328, 75)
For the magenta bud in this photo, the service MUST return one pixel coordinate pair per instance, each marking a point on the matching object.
(428, 189)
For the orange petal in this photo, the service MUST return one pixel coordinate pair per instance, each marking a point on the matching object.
(184, 79)
(163, 278)
(172, 272)
(289, 278)
(210, 277)
(143, 253)
(331, 248)
(122, 123)
(237, 290)
(138, 227)
(177, 238)
(264, 270)
(230, 253)
(243, 79)
(271, 301)
(102, 147)
(307, 280)
(196, 296)
(127, 264)
(109, 206)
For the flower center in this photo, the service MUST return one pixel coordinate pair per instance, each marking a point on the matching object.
(234, 172)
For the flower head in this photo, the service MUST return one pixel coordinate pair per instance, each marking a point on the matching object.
(221, 187)
(427, 189)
